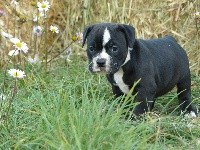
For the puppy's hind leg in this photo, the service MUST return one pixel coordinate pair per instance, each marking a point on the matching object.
(184, 96)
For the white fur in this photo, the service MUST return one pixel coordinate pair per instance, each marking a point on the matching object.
(106, 36)
(191, 115)
(118, 77)
(104, 55)
(130, 49)
(128, 57)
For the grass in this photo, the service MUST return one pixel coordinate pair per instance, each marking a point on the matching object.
(69, 108)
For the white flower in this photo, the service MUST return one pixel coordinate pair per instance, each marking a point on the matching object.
(34, 60)
(14, 2)
(14, 52)
(35, 18)
(16, 73)
(2, 12)
(197, 13)
(39, 16)
(2, 97)
(54, 29)
(21, 46)
(6, 35)
(79, 36)
(44, 6)
(37, 30)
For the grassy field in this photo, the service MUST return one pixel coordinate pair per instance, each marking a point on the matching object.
(59, 104)
(69, 108)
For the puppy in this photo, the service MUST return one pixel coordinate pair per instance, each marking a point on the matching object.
(161, 64)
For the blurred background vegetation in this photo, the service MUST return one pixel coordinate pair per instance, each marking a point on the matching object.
(151, 19)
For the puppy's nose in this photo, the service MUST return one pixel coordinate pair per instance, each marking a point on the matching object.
(101, 62)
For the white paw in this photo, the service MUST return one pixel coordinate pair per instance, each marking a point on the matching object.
(191, 115)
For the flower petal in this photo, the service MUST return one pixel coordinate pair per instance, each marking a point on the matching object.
(13, 52)
(6, 35)
(14, 40)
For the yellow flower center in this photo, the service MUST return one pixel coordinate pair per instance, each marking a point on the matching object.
(44, 6)
(33, 3)
(15, 74)
(19, 44)
(74, 38)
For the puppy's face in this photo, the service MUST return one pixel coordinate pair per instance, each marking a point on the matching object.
(107, 47)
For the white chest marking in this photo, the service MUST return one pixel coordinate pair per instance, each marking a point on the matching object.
(118, 77)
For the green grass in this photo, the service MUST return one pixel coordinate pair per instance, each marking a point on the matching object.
(69, 108)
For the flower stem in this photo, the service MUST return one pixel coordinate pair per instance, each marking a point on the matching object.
(14, 92)
(61, 52)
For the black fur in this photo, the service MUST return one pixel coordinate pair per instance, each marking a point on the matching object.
(161, 64)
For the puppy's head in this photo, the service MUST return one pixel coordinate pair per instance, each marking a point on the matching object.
(108, 46)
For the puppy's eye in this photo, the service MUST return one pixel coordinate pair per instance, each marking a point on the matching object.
(91, 49)
(114, 48)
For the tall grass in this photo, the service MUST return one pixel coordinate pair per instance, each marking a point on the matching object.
(59, 105)
(70, 109)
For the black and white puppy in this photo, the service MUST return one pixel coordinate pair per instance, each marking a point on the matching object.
(161, 64)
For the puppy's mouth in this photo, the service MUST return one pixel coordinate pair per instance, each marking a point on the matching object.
(101, 70)
(103, 66)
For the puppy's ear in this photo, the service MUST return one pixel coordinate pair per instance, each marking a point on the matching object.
(129, 33)
(86, 33)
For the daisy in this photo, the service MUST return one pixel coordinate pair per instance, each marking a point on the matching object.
(21, 46)
(34, 60)
(44, 6)
(54, 29)
(37, 30)
(16, 73)
(39, 16)
(14, 2)
(79, 37)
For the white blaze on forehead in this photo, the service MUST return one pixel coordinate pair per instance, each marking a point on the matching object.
(106, 36)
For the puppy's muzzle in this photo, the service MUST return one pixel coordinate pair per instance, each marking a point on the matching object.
(101, 62)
